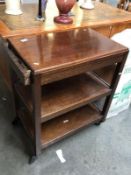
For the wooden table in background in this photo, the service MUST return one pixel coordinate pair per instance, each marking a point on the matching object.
(103, 18)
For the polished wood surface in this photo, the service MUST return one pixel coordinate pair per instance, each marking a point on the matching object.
(119, 27)
(67, 124)
(46, 53)
(102, 18)
(65, 95)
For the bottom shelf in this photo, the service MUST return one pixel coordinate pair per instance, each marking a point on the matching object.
(60, 127)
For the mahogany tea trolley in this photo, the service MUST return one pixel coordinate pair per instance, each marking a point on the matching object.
(56, 79)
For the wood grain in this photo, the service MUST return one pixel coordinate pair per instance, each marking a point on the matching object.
(63, 96)
(67, 124)
(119, 27)
(55, 52)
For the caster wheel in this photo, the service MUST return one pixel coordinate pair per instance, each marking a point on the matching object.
(16, 122)
(32, 159)
(98, 123)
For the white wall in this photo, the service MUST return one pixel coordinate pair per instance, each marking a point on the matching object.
(29, 1)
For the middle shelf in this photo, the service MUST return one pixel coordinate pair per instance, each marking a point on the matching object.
(65, 95)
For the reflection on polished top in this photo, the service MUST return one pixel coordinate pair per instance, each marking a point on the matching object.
(47, 52)
(102, 14)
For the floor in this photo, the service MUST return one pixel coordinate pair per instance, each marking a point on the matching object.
(98, 150)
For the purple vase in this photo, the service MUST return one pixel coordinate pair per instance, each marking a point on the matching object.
(64, 8)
